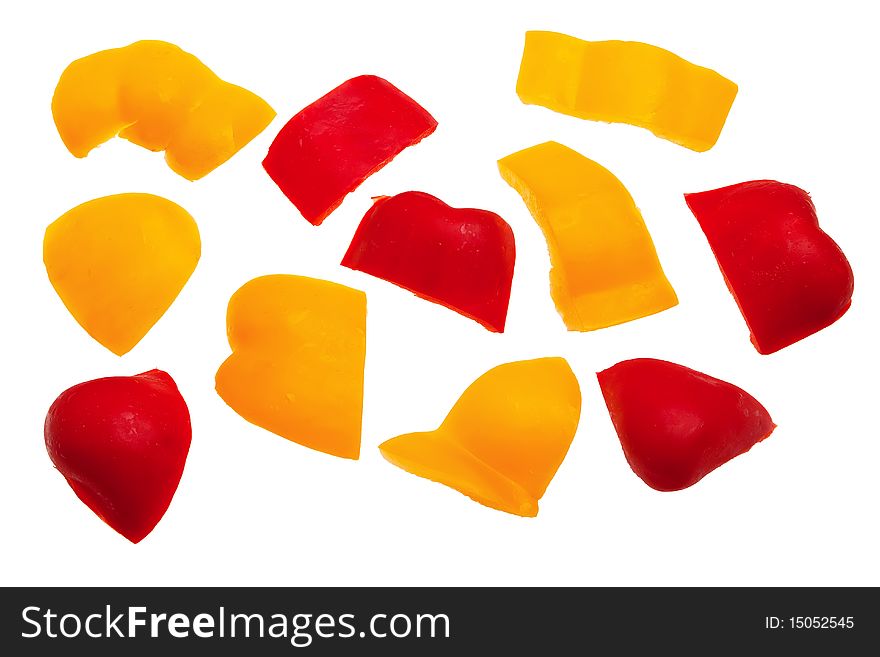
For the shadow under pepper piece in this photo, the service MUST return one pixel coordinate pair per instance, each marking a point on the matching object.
(504, 439)
(121, 443)
(329, 148)
(676, 425)
(160, 97)
(297, 363)
(605, 270)
(788, 277)
(460, 258)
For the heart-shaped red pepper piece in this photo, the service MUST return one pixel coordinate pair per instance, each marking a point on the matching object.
(675, 424)
(789, 278)
(121, 442)
(458, 257)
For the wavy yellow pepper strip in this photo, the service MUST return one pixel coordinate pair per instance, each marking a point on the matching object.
(504, 439)
(626, 82)
(155, 95)
(605, 270)
(118, 262)
(297, 363)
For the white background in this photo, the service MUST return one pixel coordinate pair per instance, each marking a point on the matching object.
(255, 509)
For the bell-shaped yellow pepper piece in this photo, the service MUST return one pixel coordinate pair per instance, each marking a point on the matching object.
(605, 269)
(118, 262)
(155, 95)
(297, 363)
(504, 439)
(626, 82)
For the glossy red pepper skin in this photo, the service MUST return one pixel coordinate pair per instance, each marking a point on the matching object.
(337, 142)
(458, 257)
(675, 424)
(789, 278)
(121, 442)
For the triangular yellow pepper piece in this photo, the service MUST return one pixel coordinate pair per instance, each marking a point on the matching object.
(118, 262)
(605, 270)
(504, 439)
(160, 97)
(626, 82)
(297, 363)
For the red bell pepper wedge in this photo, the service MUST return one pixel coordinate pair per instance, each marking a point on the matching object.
(458, 257)
(675, 424)
(337, 142)
(121, 443)
(789, 278)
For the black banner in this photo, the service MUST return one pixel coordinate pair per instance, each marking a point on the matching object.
(445, 621)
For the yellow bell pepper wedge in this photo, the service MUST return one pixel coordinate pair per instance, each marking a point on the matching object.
(626, 82)
(504, 439)
(297, 364)
(605, 270)
(160, 97)
(118, 263)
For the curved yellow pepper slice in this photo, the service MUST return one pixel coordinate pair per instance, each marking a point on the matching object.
(297, 363)
(626, 82)
(605, 269)
(157, 96)
(118, 262)
(504, 439)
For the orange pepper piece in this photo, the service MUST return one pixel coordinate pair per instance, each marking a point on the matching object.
(605, 270)
(626, 82)
(297, 363)
(504, 439)
(118, 262)
(160, 97)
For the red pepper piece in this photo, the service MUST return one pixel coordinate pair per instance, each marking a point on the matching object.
(341, 139)
(675, 424)
(460, 258)
(788, 277)
(121, 443)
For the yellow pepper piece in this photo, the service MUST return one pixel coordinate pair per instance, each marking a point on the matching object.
(118, 262)
(504, 439)
(297, 363)
(155, 95)
(605, 269)
(626, 82)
